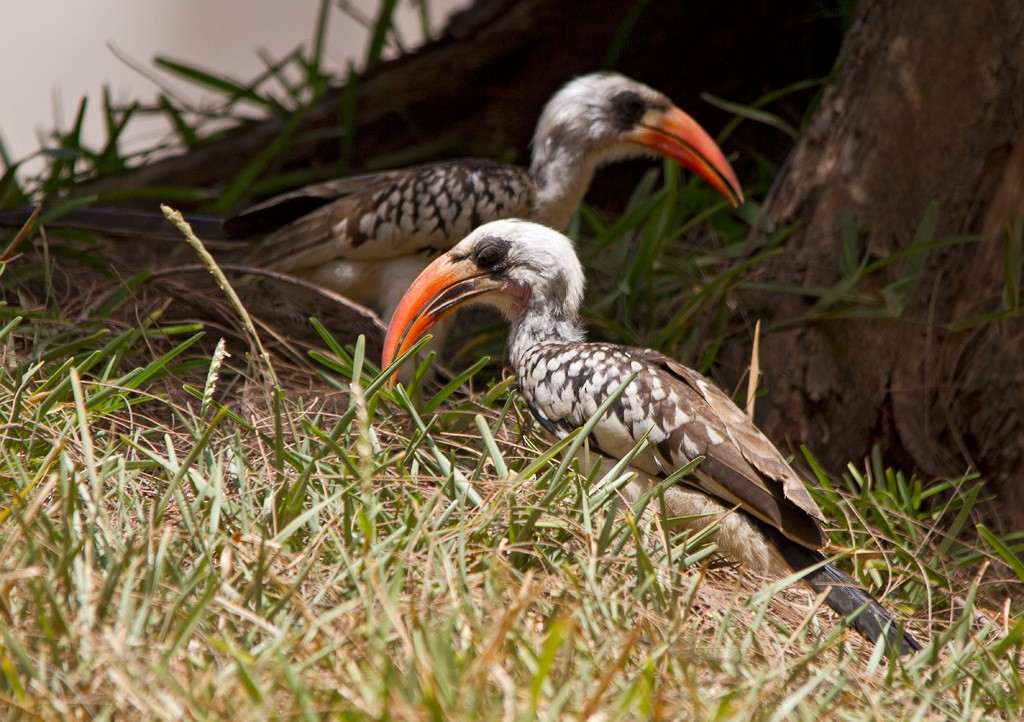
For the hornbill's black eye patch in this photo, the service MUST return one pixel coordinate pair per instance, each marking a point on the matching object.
(491, 253)
(629, 107)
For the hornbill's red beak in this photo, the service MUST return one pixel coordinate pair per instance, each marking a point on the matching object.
(441, 288)
(674, 134)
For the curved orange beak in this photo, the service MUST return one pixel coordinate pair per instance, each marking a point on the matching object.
(439, 290)
(674, 134)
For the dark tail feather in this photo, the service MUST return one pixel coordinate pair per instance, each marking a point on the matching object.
(847, 597)
(116, 222)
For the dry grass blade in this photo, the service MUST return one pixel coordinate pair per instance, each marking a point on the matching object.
(8, 253)
(755, 371)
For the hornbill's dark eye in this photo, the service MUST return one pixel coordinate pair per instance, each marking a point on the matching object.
(491, 253)
(629, 106)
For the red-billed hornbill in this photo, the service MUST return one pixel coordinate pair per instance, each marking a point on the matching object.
(368, 236)
(768, 520)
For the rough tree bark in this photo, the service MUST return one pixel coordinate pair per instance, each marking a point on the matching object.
(927, 105)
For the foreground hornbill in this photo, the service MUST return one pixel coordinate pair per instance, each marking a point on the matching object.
(768, 520)
(368, 236)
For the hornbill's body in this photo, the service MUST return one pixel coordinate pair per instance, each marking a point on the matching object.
(768, 520)
(368, 236)
(371, 235)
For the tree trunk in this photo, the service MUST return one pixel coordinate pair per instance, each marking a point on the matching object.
(927, 106)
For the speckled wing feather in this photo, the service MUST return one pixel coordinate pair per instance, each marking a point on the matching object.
(683, 414)
(756, 448)
(423, 209)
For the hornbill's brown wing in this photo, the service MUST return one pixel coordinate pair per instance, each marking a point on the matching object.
(422, 209)
(282, 209)
(741, 466)
(748, 439)
(745, 467)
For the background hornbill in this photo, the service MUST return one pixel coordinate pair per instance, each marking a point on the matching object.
(368, 236)
(768, 520)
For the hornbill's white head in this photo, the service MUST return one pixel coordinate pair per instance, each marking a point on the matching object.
(606, 116)
(527, 271)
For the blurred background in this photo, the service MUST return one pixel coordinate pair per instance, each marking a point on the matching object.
(65, 51)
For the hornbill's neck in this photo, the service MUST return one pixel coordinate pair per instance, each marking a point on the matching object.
(562, 174)
(542, 320)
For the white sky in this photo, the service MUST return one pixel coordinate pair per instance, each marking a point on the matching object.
(53, 52)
